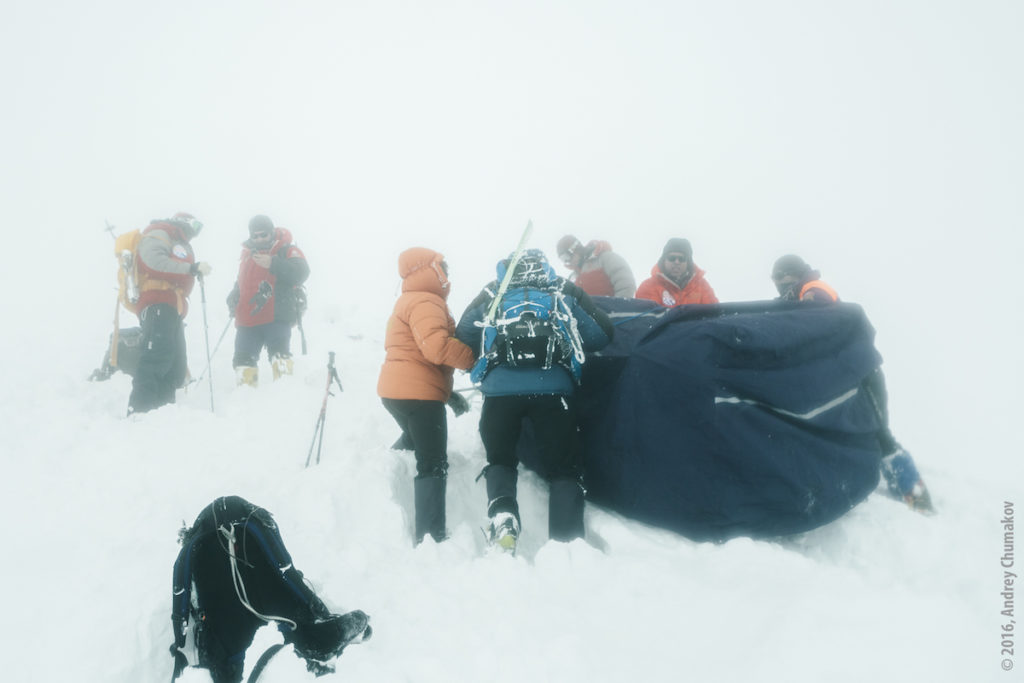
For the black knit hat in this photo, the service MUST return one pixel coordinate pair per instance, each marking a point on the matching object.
(790, 264)
(678, 245)
(260, 223)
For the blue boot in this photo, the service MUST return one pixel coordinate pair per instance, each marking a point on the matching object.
(904, 481)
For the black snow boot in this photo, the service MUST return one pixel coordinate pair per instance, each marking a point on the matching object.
(565, 510)
(501, 489)
(429, 495)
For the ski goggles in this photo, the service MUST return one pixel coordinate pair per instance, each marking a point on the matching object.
(191, 223)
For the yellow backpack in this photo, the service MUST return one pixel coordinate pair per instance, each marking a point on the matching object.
(130, 280)
(125, 250)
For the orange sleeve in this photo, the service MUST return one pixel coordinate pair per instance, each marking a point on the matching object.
(648, 290)
(432, 330)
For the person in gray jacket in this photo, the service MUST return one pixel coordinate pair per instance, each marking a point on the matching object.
(167, 270)
(596, 269)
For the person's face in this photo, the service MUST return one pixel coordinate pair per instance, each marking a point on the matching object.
(572, 259)
(786, 283)
(261, 239)
(676, 264)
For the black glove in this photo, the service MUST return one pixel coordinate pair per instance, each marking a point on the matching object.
(201, 268)
(458, 403)
(261, 297)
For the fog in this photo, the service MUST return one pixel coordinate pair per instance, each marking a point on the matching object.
(882, 141)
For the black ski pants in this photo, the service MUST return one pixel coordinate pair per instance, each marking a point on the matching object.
(554, 422)
(162, 361)
(425, 427)
(275, 337)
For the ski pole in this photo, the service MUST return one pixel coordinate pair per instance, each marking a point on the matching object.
(206, 333)
(214, 353)
(302, 335)
(318, 433)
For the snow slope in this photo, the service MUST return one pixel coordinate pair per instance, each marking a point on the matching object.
(881, 143)
(98, 498)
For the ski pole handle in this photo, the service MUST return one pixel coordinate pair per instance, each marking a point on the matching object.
(332, 375)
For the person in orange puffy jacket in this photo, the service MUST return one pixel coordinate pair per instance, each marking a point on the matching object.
(415, 380)
(675, 279)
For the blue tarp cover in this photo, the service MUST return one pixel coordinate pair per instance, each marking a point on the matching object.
(742, 419)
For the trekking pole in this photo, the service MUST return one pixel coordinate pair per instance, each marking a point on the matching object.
(214, 353)
(206, 333)
(318, 433)
(302, 335)
(117, 309)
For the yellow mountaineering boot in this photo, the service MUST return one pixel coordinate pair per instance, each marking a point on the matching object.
(281, 365)
(247, 374)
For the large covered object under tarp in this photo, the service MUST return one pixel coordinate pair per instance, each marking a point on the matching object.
(745, 419)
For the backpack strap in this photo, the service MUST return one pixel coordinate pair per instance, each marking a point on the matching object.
(228, 532)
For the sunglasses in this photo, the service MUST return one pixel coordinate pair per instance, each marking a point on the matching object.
(678, 258)
(260, 235)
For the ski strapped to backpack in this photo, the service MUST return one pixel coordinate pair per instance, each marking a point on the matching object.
(516, 255)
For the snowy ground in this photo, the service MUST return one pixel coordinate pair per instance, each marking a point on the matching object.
(882, 594)
(881, 141)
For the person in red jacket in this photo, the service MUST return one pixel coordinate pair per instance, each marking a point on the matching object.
(596, 269)
(267, 299)
(167, 270)
(797, 281)
(415, 381)
(675, 279)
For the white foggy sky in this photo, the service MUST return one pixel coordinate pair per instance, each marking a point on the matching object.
(880, 140)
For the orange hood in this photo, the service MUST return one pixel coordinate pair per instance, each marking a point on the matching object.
(420, 270)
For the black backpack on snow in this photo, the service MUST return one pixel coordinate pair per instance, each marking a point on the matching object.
(232, 576)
